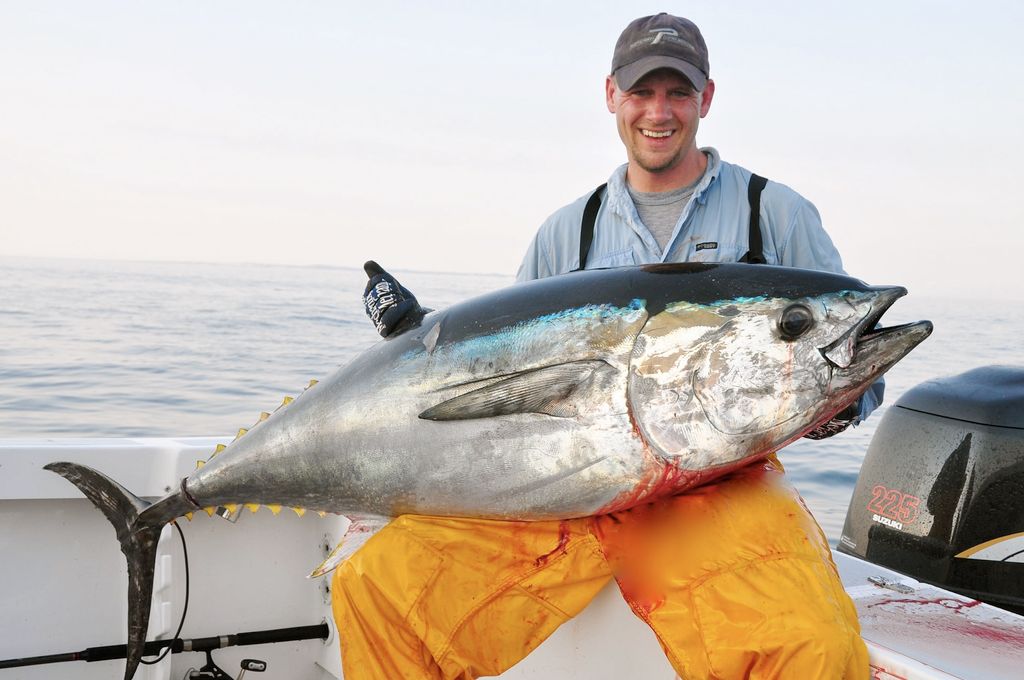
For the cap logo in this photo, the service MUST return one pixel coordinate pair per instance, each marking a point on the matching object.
(660, 41)
(662, 32)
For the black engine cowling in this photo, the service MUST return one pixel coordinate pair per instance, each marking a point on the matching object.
(940, 495)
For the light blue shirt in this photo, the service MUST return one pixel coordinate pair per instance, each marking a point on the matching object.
(713, 227)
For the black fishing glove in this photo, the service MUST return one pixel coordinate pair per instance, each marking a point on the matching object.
(839, 422)
(387, 302)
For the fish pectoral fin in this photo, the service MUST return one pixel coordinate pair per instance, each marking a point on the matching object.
(360, 529)
(547, 390)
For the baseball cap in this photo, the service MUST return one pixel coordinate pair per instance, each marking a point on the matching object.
(660, 41)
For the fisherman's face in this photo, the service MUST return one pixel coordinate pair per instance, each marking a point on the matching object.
(658, 118)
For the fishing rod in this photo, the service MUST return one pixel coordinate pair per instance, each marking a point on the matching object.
(178, 645)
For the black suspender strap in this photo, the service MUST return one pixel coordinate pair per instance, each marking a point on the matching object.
(587, 224)
(755, 252)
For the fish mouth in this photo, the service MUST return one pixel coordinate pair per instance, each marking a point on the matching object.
(867, 340)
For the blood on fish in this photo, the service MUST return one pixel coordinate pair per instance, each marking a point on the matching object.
(660, 480)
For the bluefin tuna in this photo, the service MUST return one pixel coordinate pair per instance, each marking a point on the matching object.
(566, 397)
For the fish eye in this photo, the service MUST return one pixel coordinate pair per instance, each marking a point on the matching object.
(795, 321)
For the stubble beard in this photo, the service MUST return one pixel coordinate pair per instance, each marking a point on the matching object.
(658, 164)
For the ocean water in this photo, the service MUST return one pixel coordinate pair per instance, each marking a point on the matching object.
(125, 349)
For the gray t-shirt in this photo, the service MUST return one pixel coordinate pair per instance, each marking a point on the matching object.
(660, 210)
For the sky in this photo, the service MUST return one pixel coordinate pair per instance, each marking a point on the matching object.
(438, 136)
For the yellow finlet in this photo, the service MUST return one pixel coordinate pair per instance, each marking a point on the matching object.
(241, 432)
(263, 416)
(321, 513)
(253, 507)
(311, 383)
(231, 507)
(218, 449)
(274, 508)
(299, 511)
(188, 516)
(287, 400)
(210, 511)
(200, 463)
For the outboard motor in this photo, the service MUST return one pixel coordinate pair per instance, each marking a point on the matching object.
(940, 495)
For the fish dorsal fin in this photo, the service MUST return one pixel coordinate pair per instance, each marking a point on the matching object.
(546, 390)
(360, 529)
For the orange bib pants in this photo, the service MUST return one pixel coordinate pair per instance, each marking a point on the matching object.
(735, 578)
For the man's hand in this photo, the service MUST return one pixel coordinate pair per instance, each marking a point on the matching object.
(386, 301)
(839, 422)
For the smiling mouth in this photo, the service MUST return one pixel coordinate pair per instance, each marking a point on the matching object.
(657, 134)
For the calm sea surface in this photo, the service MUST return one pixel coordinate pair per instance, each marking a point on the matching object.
(124, 349)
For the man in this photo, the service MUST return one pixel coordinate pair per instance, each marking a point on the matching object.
(735, 578)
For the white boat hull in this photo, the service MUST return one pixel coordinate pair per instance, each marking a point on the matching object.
(64, 583)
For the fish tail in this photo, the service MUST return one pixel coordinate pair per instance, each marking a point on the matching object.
(138, 532)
